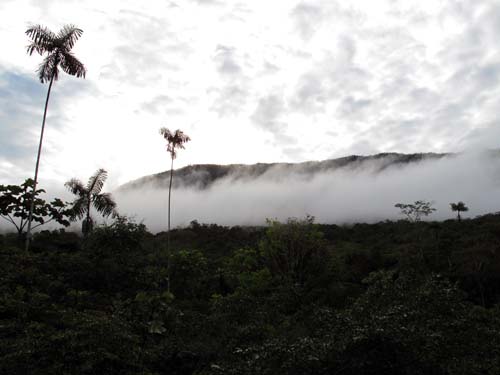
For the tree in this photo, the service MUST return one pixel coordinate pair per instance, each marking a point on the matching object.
(415, 211)
(58, 48)
(15, 203)
(459, 207)
(90, 196)
(174, 140)
(295, 251)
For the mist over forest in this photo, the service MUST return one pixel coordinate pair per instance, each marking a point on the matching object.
(277, 228)
(356, 192)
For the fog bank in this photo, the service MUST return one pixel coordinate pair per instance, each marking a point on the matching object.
(342, 196)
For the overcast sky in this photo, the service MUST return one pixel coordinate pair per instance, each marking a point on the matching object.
(251, 81)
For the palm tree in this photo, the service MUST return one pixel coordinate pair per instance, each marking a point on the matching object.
(58, 48)
(90, 196)
(459, 207)
(174, 140)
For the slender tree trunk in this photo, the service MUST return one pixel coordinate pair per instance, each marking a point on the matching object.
(32, 204)
(168, 225)
(458, 215)
(87, 219)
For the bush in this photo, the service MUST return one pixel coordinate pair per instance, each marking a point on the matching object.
(294, 251)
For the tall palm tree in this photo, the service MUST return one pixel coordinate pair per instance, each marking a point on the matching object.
(58, 49)
(90, 196)
(175, 140)
(459, 207)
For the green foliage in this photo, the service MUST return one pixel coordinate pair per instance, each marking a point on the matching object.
(190, 271)
(115, 252)
(459, 207)
(242, 267)
(295, 250)
(415, 211)
(367, 305)
(402, 325)
(15, 203)
(175, 140)
(58, 49)
(90, 196)
(123, 236)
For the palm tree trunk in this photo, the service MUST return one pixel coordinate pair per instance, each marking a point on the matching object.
(87, 219)
(459, 218)
(168, 225)
(32, 204)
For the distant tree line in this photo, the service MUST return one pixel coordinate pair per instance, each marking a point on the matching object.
(414, 212)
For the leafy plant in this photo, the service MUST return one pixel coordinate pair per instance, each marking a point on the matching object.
(175, 140)
(459, 207)
(415, 211)
(58, 48)
(90, 196)
(15, 203)
(294, 250)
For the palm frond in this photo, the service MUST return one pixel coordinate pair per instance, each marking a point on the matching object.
(76, 187)
(180, 138)
(67, 36)
(104, 204)
(166, 133)
(35, 47)
(78, 208)
(58, 46)
(174, 140)
(42, 37)
(48, 68)
(96, 182)
(71, 65)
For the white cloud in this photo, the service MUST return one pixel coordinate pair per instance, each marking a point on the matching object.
(406, 76)
(343, 196)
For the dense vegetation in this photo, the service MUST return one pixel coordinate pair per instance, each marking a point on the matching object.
(406, 297)
(293, 298)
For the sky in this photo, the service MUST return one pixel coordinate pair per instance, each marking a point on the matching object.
(250, 81)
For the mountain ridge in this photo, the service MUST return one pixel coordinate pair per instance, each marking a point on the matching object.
(202, 176)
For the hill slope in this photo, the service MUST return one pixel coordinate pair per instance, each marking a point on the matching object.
(202, 176)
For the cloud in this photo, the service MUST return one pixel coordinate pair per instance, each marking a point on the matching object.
(404, 76)
(294, 153)
(481, 138)
(308, 18)
(208, 2)
(268, 115)
(232, 93)
(310, 95)
(225, 60)
(230, 99)
(329, 77)
(157, 104)
(22, 100)
(144, 49)
(343, 196)
(21, 105)
(352, 107)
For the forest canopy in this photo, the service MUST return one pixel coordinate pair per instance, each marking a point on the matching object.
(294, 297)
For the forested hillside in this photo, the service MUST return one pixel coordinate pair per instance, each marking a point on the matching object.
(290, 298)
(202, 176)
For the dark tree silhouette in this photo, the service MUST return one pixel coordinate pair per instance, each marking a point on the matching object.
(459, 207)
(175, 141)
(90, 196)
(415, 211)
(58, 49)
(15, 203)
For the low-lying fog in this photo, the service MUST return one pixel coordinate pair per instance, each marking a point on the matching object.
(342, 196)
